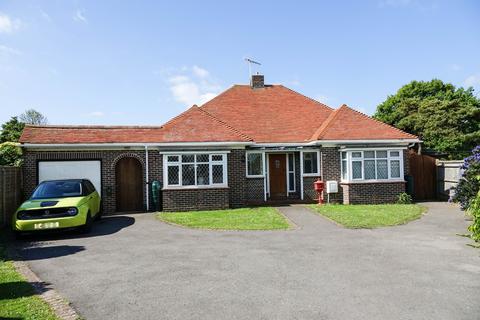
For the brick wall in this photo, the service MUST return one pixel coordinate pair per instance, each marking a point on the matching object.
(195, 199)
(332, 171)
(237, 181)
(372, 193)
(254, 192)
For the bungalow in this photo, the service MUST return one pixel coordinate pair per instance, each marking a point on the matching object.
(251, 144)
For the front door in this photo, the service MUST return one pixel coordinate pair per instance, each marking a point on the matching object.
(278, 175)
(129, 185)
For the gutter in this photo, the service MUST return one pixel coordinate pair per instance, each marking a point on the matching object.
(137, 145)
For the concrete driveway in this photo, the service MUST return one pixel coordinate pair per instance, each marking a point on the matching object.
(135, 267)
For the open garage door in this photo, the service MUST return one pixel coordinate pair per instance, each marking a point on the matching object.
(54, 170)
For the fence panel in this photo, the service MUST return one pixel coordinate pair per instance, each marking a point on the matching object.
(423, 169)
(449, 174)
(10, 192)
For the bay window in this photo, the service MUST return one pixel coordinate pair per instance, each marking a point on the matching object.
(192, 170)
(371, 165)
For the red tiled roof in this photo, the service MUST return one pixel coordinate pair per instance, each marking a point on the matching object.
(346, 123)
(193, 125)
(271, 114)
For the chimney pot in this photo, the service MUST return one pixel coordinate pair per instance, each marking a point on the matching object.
(257, 81)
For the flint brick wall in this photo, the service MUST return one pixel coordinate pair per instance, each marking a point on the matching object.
(372, 193)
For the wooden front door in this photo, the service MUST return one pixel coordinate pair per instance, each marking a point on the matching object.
(278, 175)
(129, 185)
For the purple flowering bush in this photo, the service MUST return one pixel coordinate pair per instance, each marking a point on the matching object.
(469, 185)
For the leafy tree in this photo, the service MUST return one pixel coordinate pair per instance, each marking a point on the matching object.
(32, 116)
(446, 118)
(11, 130)
(10, 154)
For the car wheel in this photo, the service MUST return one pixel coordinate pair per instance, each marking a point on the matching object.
(87, 227)
(98, 216)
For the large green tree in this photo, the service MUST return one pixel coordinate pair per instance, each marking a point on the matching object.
(10, 152)
(446, 118)
(11, 130)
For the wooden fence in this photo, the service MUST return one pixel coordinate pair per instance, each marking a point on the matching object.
(423, 170)
(10, 192)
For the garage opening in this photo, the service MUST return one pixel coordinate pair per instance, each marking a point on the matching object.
(129, 185)
(55, 170)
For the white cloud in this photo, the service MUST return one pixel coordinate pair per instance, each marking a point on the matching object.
(7, 24)
(79, 16)
(7, 51)
(200, 72)
(45, 15)
(188, 90)
(96, 114)
(472, 81)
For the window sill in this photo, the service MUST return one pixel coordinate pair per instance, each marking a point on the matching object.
(311, 175)
(371, 181)
(220, 186)
(255, 177)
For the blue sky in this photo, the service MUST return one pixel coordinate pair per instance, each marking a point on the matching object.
(142, 62)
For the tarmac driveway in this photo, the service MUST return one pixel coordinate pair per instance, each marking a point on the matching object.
(136, 267)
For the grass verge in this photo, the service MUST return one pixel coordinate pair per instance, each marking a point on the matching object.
(370, 216)
(262, 218)
(18, 299)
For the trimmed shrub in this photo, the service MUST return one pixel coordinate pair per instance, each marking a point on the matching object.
(404, 198)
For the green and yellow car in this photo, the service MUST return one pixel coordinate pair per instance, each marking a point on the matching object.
(58, 204)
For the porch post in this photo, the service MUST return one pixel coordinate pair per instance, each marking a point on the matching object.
(264, 177)
(301, 174)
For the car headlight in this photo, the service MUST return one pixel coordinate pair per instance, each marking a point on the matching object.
(21, 215)
(72, 211)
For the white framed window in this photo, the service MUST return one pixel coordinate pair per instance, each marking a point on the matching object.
(255, 164)
(195, 170)
(371, 165)
(291, 172)
(310, 163)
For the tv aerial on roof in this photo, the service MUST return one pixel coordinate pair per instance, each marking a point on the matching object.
(250, 62)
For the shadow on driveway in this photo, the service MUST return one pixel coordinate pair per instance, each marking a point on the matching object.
(30, 253)
(106, 226)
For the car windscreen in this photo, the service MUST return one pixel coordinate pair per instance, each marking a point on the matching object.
(58, 189)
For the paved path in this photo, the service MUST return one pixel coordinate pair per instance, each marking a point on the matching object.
(135, 267)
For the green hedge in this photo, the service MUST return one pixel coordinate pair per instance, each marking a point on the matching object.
(474, 210)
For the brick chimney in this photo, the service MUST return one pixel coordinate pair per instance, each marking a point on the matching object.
(257, 81)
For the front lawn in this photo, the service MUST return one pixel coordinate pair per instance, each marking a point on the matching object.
(17, 297)
(370, 216)
(262, 218)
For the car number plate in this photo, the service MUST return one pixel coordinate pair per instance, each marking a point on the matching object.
(46, 225)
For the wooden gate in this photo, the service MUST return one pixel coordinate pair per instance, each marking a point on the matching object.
(423, 169)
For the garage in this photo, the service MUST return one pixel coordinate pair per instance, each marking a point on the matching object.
(87, 169)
